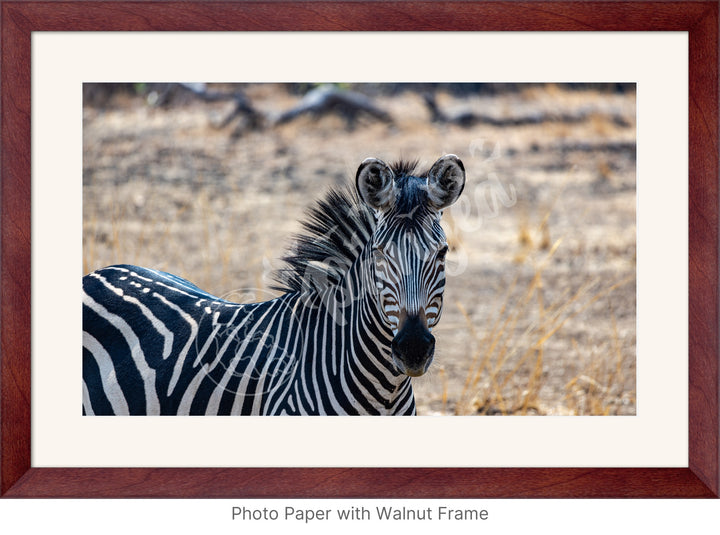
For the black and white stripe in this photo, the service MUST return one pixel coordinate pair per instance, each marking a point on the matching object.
(361, 292)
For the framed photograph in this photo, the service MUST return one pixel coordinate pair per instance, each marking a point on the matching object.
(641, 77)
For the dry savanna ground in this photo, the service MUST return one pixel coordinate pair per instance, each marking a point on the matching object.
(539, 314)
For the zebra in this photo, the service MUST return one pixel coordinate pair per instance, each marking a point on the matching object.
(362, 289)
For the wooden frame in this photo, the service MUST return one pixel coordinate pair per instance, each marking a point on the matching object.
(19, 479)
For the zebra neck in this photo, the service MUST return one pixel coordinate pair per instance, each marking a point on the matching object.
(342, 345)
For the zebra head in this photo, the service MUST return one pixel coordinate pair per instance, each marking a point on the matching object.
(408, 249)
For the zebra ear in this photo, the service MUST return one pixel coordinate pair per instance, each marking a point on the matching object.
(446, 180)
(374, 182)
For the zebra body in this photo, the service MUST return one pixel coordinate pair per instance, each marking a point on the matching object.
(362, 291)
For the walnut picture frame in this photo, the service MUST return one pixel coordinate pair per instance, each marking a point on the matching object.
(18, 478)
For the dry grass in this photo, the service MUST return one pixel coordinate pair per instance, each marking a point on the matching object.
(600, 388)
(507, 368)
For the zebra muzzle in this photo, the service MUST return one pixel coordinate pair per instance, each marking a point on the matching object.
(413, 347)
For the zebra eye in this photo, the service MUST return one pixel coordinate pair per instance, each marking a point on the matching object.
(442, 252)
(379, 256)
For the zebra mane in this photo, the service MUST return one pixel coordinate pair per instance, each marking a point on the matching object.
(335, 231)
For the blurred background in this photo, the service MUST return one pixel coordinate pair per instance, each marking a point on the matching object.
(210, 182)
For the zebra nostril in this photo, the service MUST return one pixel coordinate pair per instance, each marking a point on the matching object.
(413, 347)
(431, 345)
